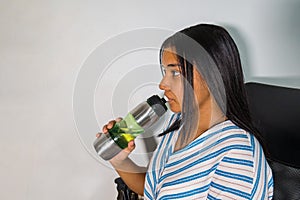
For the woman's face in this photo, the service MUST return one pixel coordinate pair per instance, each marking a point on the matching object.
(172, 82)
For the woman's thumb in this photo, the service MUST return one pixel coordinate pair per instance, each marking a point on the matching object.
(130, 147)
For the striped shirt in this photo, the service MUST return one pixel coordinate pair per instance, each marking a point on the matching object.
(225, 162)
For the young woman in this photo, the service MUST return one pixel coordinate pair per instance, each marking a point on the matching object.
(209, 149)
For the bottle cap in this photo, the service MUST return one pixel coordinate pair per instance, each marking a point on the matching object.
(158, 104)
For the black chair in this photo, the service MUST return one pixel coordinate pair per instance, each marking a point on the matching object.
(276, 113)
(124, 193)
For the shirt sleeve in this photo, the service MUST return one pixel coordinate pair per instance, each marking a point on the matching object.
(241, 175)
(234, 176)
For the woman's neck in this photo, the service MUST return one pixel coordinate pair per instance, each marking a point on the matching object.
(209, 115)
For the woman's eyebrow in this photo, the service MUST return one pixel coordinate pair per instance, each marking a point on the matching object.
(172, 65)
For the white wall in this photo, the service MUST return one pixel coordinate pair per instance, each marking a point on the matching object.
(43, 46)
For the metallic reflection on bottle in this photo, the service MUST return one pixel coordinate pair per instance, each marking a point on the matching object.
(135, 123)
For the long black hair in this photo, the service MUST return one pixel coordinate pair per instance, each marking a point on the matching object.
(216, 56)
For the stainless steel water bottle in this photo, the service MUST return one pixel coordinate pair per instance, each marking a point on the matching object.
(136, 122)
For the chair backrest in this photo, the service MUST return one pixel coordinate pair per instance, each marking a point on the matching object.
(276, 113)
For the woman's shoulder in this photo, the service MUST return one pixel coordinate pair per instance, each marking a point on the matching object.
(228, 131)
(229, 136)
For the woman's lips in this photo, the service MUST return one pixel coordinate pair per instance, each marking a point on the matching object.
(168, 99)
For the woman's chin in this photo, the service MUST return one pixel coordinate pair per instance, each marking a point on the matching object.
(174, 106)
(175, 109)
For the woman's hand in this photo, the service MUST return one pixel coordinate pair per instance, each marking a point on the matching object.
(132, 174)
(115, 161)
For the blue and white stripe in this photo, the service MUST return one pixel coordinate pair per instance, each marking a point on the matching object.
(224, 162)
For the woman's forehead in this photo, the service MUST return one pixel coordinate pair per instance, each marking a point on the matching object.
(169, 55)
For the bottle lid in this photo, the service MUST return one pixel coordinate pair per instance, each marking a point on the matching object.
(158, 104)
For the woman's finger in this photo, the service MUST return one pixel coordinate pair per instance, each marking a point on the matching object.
(119, 119)
(111, 124)
(98, 135)
(131, 146)
(104, 129)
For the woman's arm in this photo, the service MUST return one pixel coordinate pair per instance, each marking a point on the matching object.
(132, 174)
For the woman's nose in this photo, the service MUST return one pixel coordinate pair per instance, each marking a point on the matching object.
(163, 85)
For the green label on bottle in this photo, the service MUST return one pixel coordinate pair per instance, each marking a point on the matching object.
(125, 131)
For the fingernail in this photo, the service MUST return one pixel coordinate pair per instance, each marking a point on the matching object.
(98, 134)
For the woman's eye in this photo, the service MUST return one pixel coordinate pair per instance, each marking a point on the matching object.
(175, 73)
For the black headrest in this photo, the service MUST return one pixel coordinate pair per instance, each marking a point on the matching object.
(276, 113)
